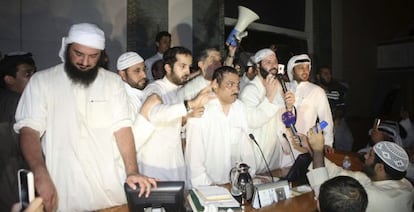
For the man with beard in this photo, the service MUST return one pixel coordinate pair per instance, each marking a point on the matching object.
(131, 68)
(382, 177)
(75, 129)
(263, 97)
(162, 156)
(311, 102)
(219, 139)
(208, 61)
(335, 90)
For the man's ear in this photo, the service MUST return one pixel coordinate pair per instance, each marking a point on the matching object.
(200, 64)
(122, 74)
(9, 80)
(157, 44)
(214, 85)
(379, 168)
(167, 68)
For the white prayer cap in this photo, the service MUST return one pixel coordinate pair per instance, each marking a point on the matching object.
(251, 61)
(86, 34)
(296, 60)
(392, 154)
(127, 60)
(261, 54)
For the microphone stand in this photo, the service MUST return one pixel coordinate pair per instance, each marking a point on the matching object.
(260, 149)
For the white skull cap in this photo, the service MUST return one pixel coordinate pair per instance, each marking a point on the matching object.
(392, 154)
(251, 60)
(263, 53)
(86, 34)
(127, 60)
(296, 60)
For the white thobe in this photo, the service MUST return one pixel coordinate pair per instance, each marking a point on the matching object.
(266, 126)
(148, 64)
(244, 81)
(386, 195)
(141, 127)
(311, 103)
(216, 142)
(162, 155)
(77, 126)
(193, 87)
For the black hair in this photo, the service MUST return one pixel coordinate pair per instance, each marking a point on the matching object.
(342, 194)
(219, 73)
(170, 56)
(8, 65)
(162, 34)
(392, 173)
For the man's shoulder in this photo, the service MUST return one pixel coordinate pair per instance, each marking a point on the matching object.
(108, 74)
(253, 85)
(153, 58)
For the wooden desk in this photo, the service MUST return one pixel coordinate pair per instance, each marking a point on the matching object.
(306, 202)
(301, 203)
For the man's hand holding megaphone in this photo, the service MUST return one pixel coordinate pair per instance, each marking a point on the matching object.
(246, 17)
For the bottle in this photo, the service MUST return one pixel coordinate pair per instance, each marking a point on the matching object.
(346, 163)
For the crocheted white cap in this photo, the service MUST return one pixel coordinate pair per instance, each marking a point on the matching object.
(261, 54)
(296, 60)
(127, 60)
(392, 154)
(86, 34)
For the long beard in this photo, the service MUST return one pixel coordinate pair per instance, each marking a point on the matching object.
(80, 77)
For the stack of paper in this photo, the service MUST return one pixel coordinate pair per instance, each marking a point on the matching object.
(203, 196)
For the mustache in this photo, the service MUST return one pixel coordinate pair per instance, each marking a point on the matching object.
(235, 94)
(273, 69)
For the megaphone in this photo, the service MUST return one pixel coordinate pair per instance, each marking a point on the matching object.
(246, 17)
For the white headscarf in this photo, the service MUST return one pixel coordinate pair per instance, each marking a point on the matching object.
(84, 33)
(296, 60)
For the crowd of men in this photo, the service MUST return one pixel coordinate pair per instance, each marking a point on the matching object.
(84, 131)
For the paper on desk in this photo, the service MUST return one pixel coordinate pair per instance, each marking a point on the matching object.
(215, 195)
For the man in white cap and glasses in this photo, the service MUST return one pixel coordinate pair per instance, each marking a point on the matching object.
(311, 101)
(263, 97)
(75, 129)
(382, 176)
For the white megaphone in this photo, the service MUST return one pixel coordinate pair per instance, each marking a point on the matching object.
(246, 17)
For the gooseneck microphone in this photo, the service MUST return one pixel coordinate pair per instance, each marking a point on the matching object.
(251, 136)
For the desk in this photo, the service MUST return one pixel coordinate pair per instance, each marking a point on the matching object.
(301, 203)
(306, 202)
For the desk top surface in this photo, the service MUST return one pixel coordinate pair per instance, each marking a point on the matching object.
(306, 202)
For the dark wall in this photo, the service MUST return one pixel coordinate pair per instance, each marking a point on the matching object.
(144, 20)
(365, 25)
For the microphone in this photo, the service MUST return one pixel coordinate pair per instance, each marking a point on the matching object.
(251, 136)
(289, 119)
(282, 82)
